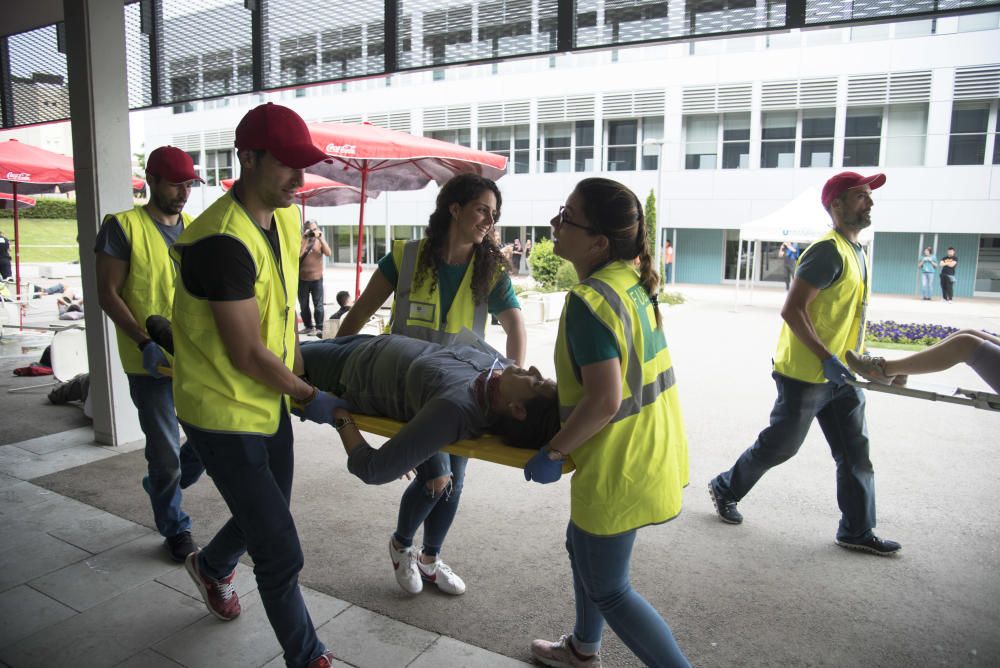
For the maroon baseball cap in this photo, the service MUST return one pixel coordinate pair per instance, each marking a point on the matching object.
(280, 131)
(172, 164)
(841, 183)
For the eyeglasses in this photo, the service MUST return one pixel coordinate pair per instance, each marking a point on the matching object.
(563, 220)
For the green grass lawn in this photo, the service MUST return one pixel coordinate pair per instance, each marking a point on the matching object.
(42, 239)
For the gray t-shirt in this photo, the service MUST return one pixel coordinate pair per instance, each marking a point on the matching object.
(111, 239)
(427, 386)
(821, 265)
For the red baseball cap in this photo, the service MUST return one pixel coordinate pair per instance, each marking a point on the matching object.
(280, 131)
(841, 183)
(172, 164)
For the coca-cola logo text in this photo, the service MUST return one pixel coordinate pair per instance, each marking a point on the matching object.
(341, 149)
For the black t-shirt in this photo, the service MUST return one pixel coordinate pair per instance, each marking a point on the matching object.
(946, 270)
(822, 265)
(221, 269)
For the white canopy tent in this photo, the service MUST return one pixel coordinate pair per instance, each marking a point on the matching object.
(802, 220)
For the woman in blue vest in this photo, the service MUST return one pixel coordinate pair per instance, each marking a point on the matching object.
(442, 284)
(621, 424)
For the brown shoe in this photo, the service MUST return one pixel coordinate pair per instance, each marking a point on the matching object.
(561, 655)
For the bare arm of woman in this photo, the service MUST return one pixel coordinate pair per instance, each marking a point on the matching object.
(602, 396)
(517, 339)
(378, 290)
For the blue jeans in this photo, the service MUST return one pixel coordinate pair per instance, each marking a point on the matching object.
(668, 272)
(420, 505)
(254, 476)
(603, 592)
(171, 467)
(840, 412)
(926, 284)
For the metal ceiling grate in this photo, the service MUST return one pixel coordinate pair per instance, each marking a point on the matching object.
(39, 88)
(140, 88)
(830, 11)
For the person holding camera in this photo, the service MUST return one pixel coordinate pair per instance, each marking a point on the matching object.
(311, 252)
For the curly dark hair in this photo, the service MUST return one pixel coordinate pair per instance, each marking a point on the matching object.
(460, 190)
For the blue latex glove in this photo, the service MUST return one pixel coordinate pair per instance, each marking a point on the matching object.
(320, 409)
(835, 371)
(153, 357)
(541, 469)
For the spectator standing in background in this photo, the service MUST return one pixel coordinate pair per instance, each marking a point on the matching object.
(928, 267)
(311, 252)
(948, 279)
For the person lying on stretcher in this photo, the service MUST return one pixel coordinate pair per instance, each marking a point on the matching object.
(444, 395)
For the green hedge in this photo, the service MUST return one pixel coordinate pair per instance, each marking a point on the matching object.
(45, 208)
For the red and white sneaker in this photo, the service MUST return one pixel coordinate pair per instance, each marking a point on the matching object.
(404, 565)
(324, 660)
(219, 595)
(440, 573)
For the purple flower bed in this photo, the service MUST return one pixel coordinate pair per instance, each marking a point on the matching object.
(890, 331)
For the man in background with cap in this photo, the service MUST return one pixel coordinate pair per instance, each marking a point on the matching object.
(135, 279)
(237, 356)
(824, 317)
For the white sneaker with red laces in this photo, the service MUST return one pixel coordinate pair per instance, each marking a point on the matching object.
(404, 565)
(441, 574)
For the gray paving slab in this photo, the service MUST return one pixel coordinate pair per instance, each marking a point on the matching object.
(44, 445)
(8, 481)
(365, 639)
(147, 659)
(179, 579)
(102, 577)
(33, 557)
(248, 640)
(109, 633)
(24, 611)
(19, 495)
(450, 653)
(27, 465)
(99, 531)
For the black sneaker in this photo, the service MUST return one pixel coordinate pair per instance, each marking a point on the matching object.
(726, 509)
(180, 546)
(875, 545)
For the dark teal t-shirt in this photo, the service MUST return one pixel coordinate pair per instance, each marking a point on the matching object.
(589, 339)
(450, 276)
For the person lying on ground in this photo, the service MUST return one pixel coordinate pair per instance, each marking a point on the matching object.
(444, 395)
(979, 350)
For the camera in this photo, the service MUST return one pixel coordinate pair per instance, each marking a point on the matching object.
(311, 233)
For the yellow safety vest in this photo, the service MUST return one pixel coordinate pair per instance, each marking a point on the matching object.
(210, 393)
(630, 473)
(416, 309)
(838, 315)
(149, 286)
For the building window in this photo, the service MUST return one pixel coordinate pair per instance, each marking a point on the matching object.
(512, 142)
(863, 137)
(969, 126)
(627, 143)
(735, 141)
(777, 147)
(196, 159)
(461, 136)
(218, 166)
(996, 140)
(566, 147)
(906, 135)
(701, 142)
(817, 138)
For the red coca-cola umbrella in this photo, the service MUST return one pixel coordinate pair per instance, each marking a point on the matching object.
(377, 159)
(23, 202)
(319, 191)
(30, 169)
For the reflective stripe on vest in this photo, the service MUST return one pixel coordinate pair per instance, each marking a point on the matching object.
(149, 286)
(209, 391)
(838, 314)
(641, 395)
(410, 316)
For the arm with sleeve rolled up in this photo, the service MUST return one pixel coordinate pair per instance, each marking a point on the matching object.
(436, 425)
(378, 290)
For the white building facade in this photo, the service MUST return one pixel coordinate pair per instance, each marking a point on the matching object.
(724, 131)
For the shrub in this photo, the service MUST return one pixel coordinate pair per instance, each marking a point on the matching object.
(566, 276)
(45, 208)
(545, 264)
(670, 298)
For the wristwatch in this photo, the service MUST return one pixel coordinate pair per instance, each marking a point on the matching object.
(340, 423)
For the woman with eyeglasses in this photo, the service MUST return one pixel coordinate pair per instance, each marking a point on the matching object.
(444, 283)
(621, 424)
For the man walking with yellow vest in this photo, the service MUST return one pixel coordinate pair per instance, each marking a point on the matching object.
(236, 348)
(135, 279)
(824, 317)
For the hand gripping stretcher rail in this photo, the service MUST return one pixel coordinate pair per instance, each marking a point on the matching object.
(487, 447)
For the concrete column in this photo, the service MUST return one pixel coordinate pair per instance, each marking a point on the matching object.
(98, 95)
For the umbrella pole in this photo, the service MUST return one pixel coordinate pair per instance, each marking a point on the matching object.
(361, 233)
(17, 259)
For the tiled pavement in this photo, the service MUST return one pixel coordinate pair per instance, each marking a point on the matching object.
(79, 587)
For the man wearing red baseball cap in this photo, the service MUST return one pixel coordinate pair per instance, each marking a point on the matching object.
(135, 279)
(824, 317)
(237, 356)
